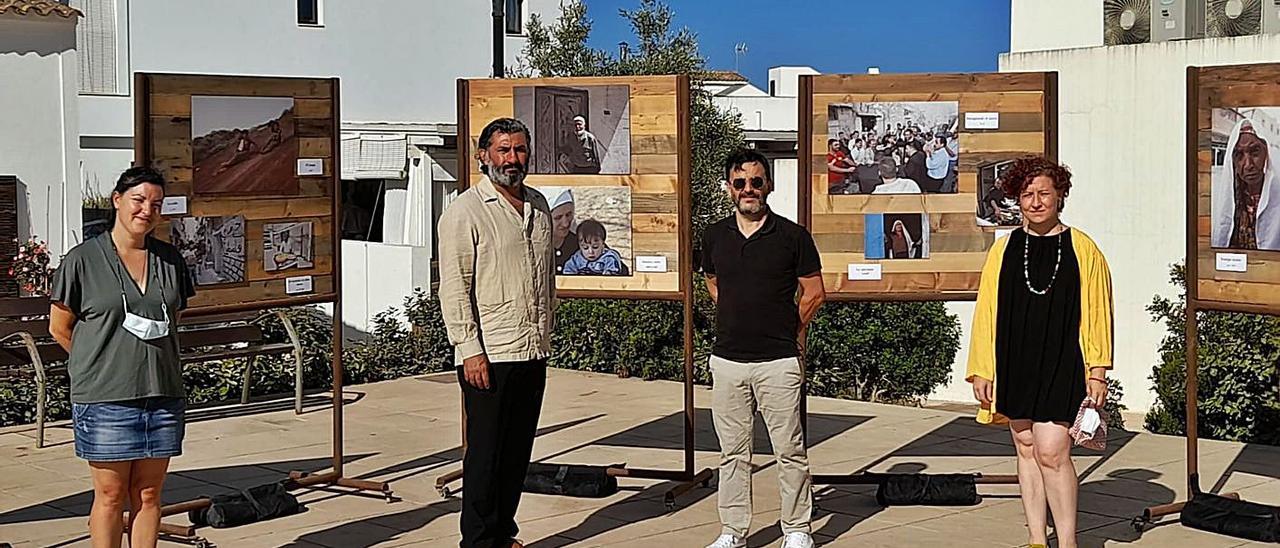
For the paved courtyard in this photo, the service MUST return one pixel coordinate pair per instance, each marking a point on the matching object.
(407, 432)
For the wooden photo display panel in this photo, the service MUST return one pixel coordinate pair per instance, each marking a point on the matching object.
(925, 244)
(254, 135)
(637, 160)
(1233, 146)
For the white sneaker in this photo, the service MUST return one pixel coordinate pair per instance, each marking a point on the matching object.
(797, 540)
(729, 541)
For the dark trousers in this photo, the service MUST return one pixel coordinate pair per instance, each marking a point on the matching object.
(501, 424)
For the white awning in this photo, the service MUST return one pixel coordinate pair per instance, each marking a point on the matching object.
(376, 156)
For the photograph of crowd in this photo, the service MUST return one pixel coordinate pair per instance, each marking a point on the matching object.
(892, 147)
(897, 236)
(1245, 193)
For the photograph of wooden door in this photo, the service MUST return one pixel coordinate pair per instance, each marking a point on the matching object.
(554, 109)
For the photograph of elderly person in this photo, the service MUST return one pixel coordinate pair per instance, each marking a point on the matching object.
(1245, 193)
(888, 236)
(580, 130)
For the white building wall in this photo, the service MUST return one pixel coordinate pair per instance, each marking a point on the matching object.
(1122, 131)
(39, 139)
(398, 61)
(785, 199)
(1054, 24)
(785, 81)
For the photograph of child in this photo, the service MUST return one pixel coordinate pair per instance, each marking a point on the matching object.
(590, 229)
(594, 256)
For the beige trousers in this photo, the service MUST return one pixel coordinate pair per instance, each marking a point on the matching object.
(738, 390)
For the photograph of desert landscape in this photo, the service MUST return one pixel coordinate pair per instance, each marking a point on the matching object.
(243, 145)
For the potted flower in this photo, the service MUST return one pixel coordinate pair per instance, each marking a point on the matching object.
(31, 269)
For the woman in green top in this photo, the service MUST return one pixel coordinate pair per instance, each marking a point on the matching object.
(115, 309)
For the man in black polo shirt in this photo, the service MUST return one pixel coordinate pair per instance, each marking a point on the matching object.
(757, 263)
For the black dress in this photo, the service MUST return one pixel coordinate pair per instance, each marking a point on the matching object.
(1039, 364)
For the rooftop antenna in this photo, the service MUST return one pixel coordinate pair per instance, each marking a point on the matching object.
(739, 50)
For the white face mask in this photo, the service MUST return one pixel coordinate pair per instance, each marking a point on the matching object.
(144, 328)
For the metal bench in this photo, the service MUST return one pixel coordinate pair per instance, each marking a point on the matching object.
(28, 351)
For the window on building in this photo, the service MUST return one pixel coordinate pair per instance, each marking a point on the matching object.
(96, 45)
(1219, 154)
(308, 12)
(362, 207)
(514, 17)
(773, 88)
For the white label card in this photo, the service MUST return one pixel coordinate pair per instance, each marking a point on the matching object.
(310, 166)
(865, 272)
(297, 285)
(656, 263)
(1233, 262)
(173, 205)
(982, 120)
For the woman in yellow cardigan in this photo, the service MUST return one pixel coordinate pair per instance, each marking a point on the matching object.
(1041, 342)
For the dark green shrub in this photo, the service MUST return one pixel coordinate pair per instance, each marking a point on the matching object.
(1239, 387)
(882, 352)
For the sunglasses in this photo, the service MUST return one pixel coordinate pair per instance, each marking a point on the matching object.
(756, 183)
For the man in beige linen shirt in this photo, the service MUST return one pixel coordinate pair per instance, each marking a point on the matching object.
(497, 287)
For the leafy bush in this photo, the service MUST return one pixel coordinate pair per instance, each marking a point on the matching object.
(394, 350)
(882, 352)
(1239, 386)
(641, 338)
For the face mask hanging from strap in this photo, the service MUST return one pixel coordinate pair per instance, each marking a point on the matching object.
(141, 327)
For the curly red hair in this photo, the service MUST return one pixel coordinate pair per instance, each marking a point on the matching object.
(1026, 169)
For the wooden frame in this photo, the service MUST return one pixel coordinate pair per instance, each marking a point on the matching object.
(1256, 291)
(1027, 100)
(660, 170)
(162, 130)
(162, 126)
(1027, 104)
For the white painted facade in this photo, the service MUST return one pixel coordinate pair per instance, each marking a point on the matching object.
(398, 62)
(1037, 25)
(38, 114)
(1122, 131)
(769, 124)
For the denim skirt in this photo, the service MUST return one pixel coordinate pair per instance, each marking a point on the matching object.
(147, 428)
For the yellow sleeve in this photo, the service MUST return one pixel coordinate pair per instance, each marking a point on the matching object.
(1097, 323)
(982, 337)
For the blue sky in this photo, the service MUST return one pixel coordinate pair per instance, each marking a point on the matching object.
(834, 37)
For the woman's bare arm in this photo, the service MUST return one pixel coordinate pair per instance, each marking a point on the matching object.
(62, 321)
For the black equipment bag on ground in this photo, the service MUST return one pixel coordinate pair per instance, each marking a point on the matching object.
(573, 480)
(250, 505)
(927, 490)
(1231, 517)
